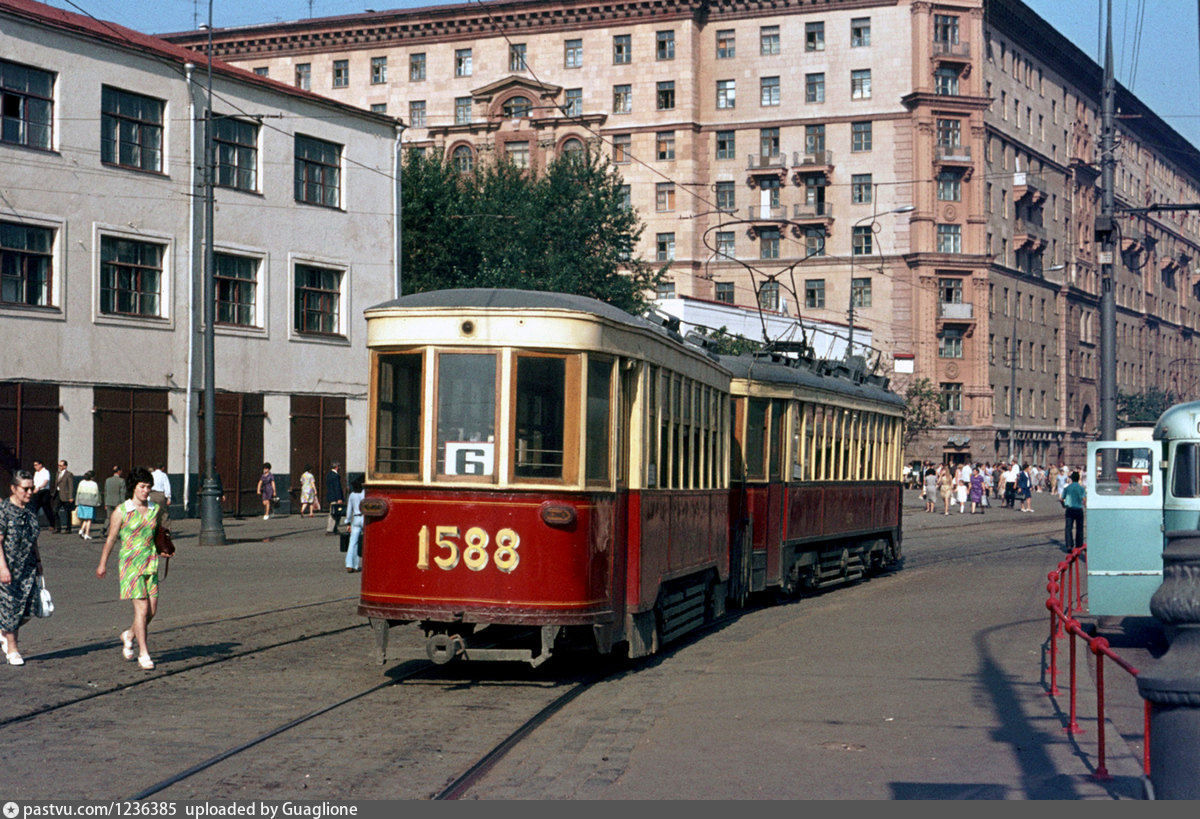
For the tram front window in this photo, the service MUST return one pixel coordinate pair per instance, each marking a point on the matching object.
(541, 412)
(466, 414)
(398, 419)
(1123, 471)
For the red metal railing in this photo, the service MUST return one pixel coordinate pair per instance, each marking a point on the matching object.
(1066, 598)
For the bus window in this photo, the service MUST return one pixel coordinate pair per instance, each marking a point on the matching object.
(398, 416)
(466, 414)
(540, 416)
(1130, 474)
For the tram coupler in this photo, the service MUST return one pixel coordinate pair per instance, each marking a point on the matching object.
(442, 648)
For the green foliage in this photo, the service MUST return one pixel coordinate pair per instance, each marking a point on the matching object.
(565, 230)
(922, 408)
(1145, 407)
(725, 343)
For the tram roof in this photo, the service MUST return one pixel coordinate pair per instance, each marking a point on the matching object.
(1180, 421)
(484, 297)
(810, 375)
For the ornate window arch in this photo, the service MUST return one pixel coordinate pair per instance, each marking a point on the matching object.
(571, 146)
(463, 158)
(517, 107)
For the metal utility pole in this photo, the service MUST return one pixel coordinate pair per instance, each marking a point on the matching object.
(1105, 230)
(212, 531)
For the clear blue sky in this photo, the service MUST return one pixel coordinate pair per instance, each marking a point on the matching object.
(1167, 75)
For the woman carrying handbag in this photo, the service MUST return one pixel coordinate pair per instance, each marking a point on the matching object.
(136, 523)
(20, 564)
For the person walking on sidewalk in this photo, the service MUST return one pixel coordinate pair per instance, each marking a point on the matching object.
(135, 522)
(64, 498)
(975, 492)
(266, 490)
(87, 501)
(354, 521)
(20, 563)
(334, 497)
(1074, 498)
(930, 489)
(1025, 488)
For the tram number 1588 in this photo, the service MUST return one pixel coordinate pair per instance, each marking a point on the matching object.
(472, 552)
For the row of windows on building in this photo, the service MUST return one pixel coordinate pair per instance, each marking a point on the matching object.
(1029, 402)
(131, 136)
(769, 44)
(133, 279)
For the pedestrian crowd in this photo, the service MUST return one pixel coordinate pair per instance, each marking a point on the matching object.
(132, 509)
(1005, 485)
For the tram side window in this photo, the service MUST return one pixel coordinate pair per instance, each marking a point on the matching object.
(599, 398)
(1186, 471)
(1123, 471)
(652, 428)
(756, 438)
(540, 417)
(466, 414)
(398, 417)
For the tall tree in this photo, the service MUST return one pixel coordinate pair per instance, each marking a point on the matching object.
(566, 229)
(922, 408)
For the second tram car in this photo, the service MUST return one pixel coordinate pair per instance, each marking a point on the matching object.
(547, 470)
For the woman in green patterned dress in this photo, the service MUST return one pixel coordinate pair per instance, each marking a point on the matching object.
(134, 522)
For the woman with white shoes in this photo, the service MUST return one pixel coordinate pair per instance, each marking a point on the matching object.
(87, 501)
(20, 563)
(135, 522)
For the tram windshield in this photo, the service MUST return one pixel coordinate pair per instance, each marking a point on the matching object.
(1185, 469)
(1129, 473)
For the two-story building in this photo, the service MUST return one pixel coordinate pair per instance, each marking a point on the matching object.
(102, 258)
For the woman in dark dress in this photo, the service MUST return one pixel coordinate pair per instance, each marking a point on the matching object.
(20, 563)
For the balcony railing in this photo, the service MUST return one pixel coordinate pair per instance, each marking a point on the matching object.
(953, 153)
(818, 159)
(816, 210)
(961, 311)
(762, 162)
(765, 212)
(943, 49)
(1028, 234)
(1029, 184)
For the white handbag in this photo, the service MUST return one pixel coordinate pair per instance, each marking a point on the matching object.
(47, 604)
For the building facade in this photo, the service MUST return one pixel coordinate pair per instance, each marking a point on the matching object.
(926, 170)
(101, 255)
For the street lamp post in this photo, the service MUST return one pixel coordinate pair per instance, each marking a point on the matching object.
(212, 531)
(850, 311)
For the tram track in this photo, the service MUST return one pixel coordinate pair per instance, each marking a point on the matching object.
(123, 686)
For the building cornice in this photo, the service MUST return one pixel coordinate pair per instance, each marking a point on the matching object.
(481, 19)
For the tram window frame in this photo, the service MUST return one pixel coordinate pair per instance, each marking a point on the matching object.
(441, 356)
(651, 427)
(571, 379)
(594, 457)
(1185, 470)
(754, 440)
(776, 440)
(416, 425)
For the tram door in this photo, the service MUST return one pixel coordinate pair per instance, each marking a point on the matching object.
(1124, 526)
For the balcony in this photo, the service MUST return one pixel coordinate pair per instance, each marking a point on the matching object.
(815, 212)
(807, 164)
(767, 213)
(958, 52)
(952, 154)
(956, 311)
(1032, 185)
(1028, 235)
(767, 163)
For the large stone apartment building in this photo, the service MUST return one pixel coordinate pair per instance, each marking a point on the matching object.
(927, 170)
(101, 259)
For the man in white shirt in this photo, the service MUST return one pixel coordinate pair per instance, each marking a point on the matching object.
(160, 490)
(41, 492)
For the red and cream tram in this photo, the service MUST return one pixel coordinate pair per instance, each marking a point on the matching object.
(546, 469)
